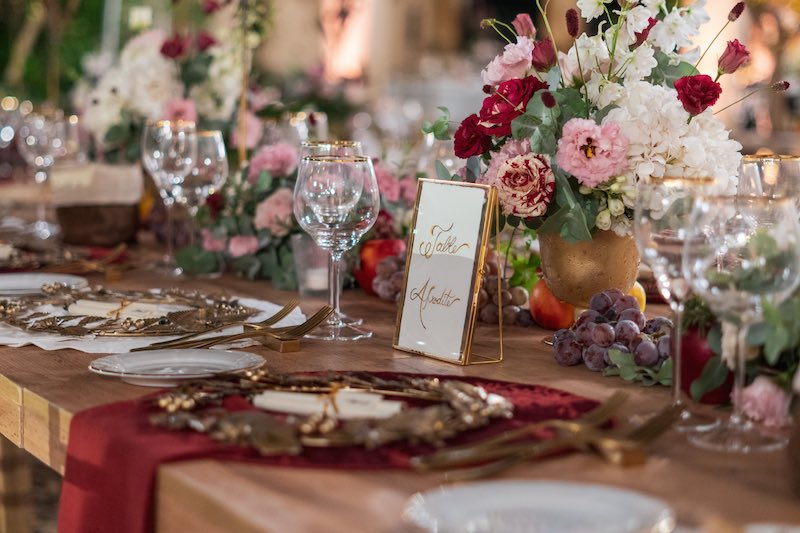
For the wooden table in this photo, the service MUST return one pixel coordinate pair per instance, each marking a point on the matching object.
(40, 391)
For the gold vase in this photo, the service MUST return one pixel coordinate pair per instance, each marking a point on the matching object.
(574, 272)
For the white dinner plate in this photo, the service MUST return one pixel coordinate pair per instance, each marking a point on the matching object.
(537, 507)
(166, 368)
(22, 283)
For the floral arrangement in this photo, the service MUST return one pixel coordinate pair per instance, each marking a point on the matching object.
(196, 77)
(565, 137)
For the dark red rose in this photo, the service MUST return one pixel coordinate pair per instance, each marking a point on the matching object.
(697, 93)
(210, 6)
(734, 56)
(506, 104)
(642, 36)
(215, 203)
(543, 56)
(174, 47)
(470, 139)
(205, 41)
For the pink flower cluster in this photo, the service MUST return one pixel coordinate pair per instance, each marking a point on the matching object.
(525, 185)
(763, 401)
(590, 152)
(278, 159)
(394, 189)
(275, 213)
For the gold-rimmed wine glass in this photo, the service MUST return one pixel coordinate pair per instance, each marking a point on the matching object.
(208, 174)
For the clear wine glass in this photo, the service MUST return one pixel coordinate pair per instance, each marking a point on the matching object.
(169, 149)
(336, 201)
(771, 175)
(341, 148)
(739, 252)
(663, 206)
(40, 141)
(208, 174)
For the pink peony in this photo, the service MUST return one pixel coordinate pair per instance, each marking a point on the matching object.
(278, 159)
(590, 152)
(275, 213)
(510, 150)
(763, 401)
(242, 245)
(388, 184)
(178, 109)
(254, 129)
(525, 185)
(513, 63)
(523, 25)
(212, 243)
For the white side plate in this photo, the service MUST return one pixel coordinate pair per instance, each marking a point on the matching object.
(537, 507)
(167, 368)
(22, 283)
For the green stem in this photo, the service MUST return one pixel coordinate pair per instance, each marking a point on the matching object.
(508, 250)
(711, 43)
(493, 24)
(748, 95)
(543, 12)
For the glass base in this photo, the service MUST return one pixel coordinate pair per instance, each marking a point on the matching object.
(339, 332)
(350, 321)
(166, 267)
(739, 438)
(43, 230)
(688, 421)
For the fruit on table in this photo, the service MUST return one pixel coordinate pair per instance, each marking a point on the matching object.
(547, 310)
(638, 292)
(371, 253)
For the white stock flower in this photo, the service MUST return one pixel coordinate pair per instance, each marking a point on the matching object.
(601, 91)
(672, 32)
(104, 104)
(695, 16)
(641, 63)
(593, 55)
(636, 20)
(591, 9)
(653, 6)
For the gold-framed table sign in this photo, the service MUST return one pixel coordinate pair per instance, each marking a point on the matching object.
(447, 251)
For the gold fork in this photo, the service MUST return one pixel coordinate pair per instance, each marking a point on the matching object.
(620, 448)
(467, 453)
(274, 319)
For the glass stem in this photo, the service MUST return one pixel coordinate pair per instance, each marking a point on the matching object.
(333, 284)
(41, 179)
(170, 233)
(738, 417)
(677, 359)
(193, 229)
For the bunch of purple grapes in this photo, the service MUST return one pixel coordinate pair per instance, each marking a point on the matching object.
(613, 321)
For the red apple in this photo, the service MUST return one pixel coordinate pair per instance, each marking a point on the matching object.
(695, 352)
(547, 310)
(370, 255)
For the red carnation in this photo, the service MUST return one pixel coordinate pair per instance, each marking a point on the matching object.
(507, 103)
(470, 139)
(543, 56)
(210, 6)
(215, 203)
(174, 47)
(734, 56)
(205, 41)
(697, 93)
(642, 36)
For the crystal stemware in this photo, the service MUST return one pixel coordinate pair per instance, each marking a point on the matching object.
(663, 206)
(336, 201)
(739, 253)
(208, 174)
(169, 149)
(771, 175)
(40, 141)
(342, 148)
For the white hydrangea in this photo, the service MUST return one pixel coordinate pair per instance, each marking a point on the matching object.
(216, 98)
(104, 104)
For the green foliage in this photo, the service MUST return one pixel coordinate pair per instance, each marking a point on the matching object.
(441, 127)
(625, 367)
(194, 260)
(666, 74)
(714, 374)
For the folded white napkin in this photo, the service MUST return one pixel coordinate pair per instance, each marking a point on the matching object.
(350, 403)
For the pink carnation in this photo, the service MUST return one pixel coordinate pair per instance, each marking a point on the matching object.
(590, 152)
(275, 213)
(212, 243)
(242, 245)
(254, 130)
(763, 401)
(178, 109)
(525, 185)
(510, 150)
(388, 184)
(514, 62)
(278, 159)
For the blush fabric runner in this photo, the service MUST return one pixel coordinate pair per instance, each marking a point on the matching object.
(114, 453)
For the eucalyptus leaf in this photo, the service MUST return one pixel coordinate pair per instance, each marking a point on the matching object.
(714, 374)
(524, 126)
(473, 169)
(554, 78)
(543, 140)
(441, 171)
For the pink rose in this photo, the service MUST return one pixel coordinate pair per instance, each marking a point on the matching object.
(590, 152)
(211, 243)
(523, 25)
(734, 56)
(278, 159)
(543, 57)
(525, 185)
(275, 213)
(509, 150)
(513, 63)
(408, 189)
(254, 129)
(763, 401)
(388, 184)
(242, 245)
(178, 109)
(174, 47)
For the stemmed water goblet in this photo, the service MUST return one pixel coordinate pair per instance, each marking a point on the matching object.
(341, 148)
(208, 174)
(169, 150)
(741, 252)
(771, 175)
(336, 201)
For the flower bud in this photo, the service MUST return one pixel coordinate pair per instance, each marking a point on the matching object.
(736, 11)
(734, 56)
(573, 22)
(615, 187)
(488, 23)
(780, 86)
(523, 25)
(615, 206)
(548, 99)
(543, 56)
(603, 220)
(583, 189)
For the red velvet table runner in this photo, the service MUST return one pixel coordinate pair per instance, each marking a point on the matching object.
(114, 453)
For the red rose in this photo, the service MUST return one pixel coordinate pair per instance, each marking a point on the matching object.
(470, 139)
(174, 47)
(506, 104)
(544, 55)
(210, 6)
(697, 93)
(215, 203)
(205, 41)
(734, 56)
